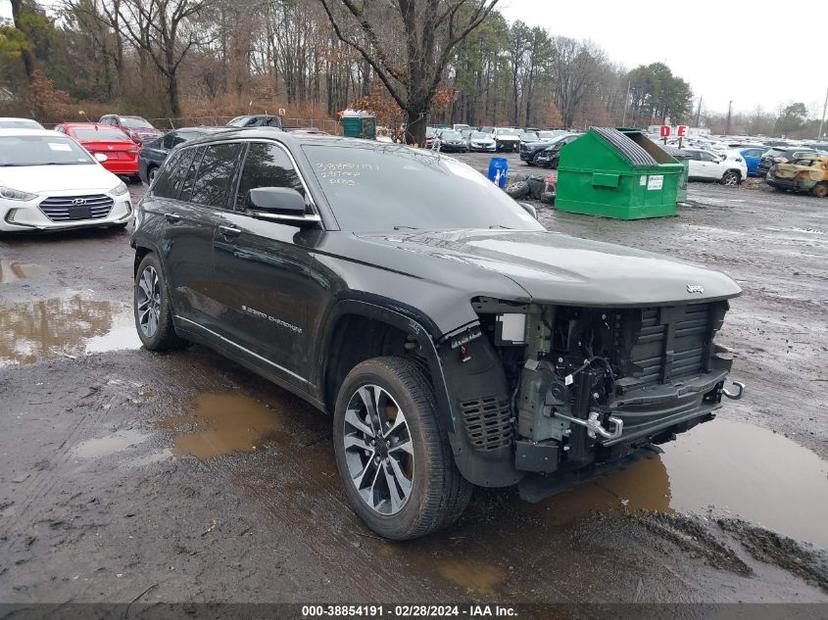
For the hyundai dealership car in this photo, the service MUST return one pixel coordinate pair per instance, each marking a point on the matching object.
(49, 182)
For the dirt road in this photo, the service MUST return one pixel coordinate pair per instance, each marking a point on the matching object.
(127, 475)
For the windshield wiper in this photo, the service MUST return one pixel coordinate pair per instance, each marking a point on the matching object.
(493, 226)
(406, 228)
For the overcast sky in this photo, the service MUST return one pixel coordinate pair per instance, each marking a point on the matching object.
(726, 50)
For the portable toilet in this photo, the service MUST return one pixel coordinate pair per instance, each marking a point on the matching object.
(618, 174)
(359, 124)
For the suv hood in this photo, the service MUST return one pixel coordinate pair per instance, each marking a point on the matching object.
(555, 268)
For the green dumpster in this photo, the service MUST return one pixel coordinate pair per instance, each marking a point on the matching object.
(681, 157)
(359, 125)
(622, 175)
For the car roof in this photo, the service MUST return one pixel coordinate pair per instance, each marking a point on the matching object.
(17, 118)
(204, 128)
(88, 125)
(31, 132)
(290, 139)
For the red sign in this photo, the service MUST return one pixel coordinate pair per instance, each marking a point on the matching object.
(282, 111)
(681, 131)
(665, 131)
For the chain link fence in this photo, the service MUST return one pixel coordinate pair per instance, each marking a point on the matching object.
(167, 123)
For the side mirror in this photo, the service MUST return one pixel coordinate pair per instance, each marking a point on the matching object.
(530, 209)
(100, 157)
(279, 204)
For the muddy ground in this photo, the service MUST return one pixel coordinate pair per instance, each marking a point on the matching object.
(127, 475)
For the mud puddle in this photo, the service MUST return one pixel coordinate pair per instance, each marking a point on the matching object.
(13, 271)
(70, 326)
(721, 468)
(222, 423)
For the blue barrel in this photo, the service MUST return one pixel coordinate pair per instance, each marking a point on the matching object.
(498, 171)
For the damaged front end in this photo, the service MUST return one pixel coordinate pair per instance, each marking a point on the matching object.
(566, 393)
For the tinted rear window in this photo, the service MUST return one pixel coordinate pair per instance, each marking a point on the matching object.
(171, 178)
(215, 173)
(99, 135)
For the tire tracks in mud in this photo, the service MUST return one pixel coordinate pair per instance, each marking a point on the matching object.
(36, 491)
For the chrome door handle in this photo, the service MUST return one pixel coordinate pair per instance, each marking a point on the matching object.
(172, 218)
(228, 232)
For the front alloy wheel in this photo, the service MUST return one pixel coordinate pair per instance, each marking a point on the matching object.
(392, 450)
(378, 449)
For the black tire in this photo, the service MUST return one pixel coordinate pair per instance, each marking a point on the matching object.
(151, 174)
(518, 189)
(731, 178)
(438, 494)
(820, 190)
(163, 338)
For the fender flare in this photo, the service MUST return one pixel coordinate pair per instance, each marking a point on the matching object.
(403, 319)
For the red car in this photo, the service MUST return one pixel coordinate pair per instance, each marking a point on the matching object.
(109, 145)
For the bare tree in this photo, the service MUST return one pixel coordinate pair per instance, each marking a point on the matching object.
(408, 43)
(573, 67)
(162, 30)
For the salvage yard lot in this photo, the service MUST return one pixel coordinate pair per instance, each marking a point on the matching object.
(122, 474)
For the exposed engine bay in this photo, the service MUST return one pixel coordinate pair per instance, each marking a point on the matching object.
(591, 385)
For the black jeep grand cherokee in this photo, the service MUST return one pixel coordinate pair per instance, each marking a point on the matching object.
(453, 339)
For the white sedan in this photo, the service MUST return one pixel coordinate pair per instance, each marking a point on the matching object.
(50, 182)
(728, 168)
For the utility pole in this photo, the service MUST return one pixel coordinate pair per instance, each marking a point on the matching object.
(698, 112)
(822, 122)
(627, 103)
(729, 114)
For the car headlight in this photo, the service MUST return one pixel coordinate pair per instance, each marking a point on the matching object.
(119, 190)
(15, 194)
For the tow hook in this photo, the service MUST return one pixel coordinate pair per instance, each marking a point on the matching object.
(593, 425)
(738, 395)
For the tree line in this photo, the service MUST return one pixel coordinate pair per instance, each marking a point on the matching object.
(411, 61)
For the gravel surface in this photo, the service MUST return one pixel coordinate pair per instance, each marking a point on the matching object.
(120, 479)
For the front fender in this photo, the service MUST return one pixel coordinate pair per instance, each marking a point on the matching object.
(456, 383)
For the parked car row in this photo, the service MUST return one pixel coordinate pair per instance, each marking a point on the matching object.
(487, 139)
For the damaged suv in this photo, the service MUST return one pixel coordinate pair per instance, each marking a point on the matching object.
(454, 341)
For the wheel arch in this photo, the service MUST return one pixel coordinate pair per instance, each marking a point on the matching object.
(356, 330)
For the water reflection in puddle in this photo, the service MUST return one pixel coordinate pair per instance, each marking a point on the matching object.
(12, 271)
(74, 325)
(726, 468)
(475, 577)
(111, 444)
(221, 424)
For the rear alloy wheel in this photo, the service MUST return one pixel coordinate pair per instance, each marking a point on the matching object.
(392, 451)
(151, 306)
(820, 190)
(731, 178)
(151, 175)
